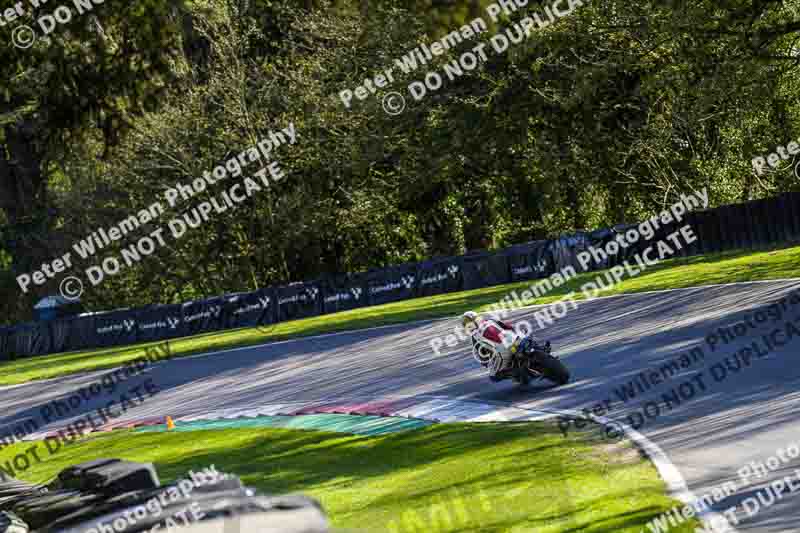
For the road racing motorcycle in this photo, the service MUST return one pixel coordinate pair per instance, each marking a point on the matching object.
(532, 360)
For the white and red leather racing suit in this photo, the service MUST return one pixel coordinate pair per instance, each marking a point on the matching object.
(491, 345)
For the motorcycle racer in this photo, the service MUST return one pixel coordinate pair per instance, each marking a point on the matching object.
(494, 344)
(491, 343)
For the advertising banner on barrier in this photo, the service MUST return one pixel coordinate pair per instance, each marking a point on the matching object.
(115, 328)
(59, 335)
(298, 300)
(598, 240)
(5, 336)
(485, 269)
(565, 250)
(439, 276)
(159, 322)
(343, 292)
(33, 338)
(531, 260)
(625, 253)
(248, 309)
(200, 316)
(743, 235)
(82, 332)
(22, 342)
(392, 284)
(790, 208)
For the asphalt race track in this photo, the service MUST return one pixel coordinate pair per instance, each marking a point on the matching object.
(716, 430)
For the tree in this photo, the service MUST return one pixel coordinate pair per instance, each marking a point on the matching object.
(70, 92)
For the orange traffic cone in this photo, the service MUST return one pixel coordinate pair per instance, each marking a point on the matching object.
(170, 423)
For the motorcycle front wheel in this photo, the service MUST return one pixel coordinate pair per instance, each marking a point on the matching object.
(523, 375)
(551, 368)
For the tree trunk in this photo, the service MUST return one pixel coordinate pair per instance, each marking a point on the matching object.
(25, 201)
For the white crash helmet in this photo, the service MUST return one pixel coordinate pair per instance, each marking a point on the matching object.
(470, 321)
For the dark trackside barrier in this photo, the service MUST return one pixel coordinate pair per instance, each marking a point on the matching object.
(753, 225)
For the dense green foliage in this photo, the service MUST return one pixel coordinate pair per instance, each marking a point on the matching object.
(601, 118)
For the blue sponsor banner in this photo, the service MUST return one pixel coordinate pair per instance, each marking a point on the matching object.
(485, 269)
(201, 316)
(249, 309)
(392, 284)
(116, 328)
(533, 260)
(340, 293)
(298, 300)
(159, 322)
(439, 276)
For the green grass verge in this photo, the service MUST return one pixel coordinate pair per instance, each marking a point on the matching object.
(677, 273)
(444, 478)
